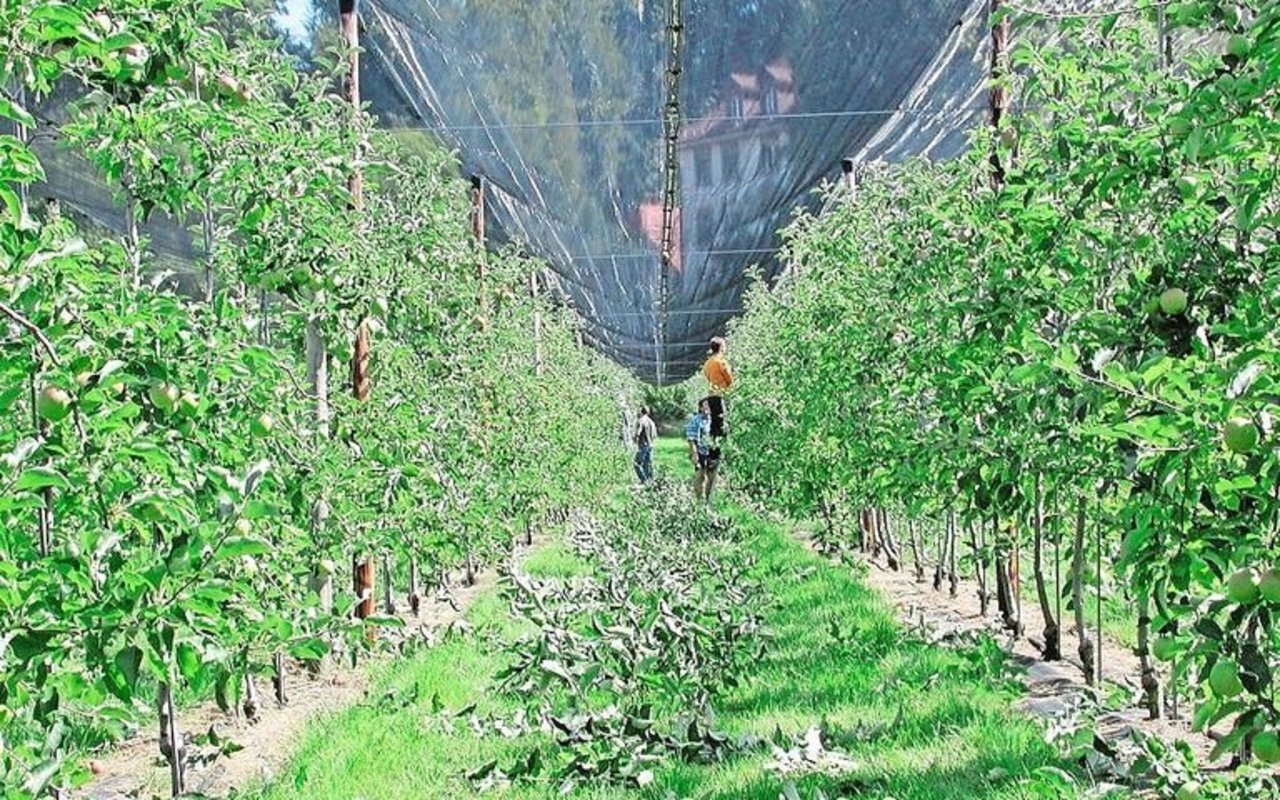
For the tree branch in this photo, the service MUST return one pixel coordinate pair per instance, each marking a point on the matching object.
(36, 332)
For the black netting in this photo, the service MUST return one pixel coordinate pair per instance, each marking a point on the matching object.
(558, 106)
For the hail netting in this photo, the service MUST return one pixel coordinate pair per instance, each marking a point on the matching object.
(559, 105)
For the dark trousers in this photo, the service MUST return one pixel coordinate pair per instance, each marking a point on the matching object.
(717, 415)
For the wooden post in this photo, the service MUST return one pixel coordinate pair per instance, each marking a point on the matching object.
(477, 216)
(349, 28)
(282, 697)
(388, 601)
(363, 569)
(537, 326)
(998, 95)
(44, 514)
(415, 596)
(1085, 647)
(849, 177)
(206, 226)
(20, 133)
(132, 239)
(478, 233)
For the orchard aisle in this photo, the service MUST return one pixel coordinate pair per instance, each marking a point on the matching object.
(1054, 690)
(262, 747)
(834, 699)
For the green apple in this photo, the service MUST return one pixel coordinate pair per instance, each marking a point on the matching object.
(1189, 791)
(1240, 435)
(1165, 648)
(1242, 586)
(1266, 747)
(262, 425)
(164, 396)
(243, 527)
(326, 567)
(83, 379)
(1224, 679)
(1269, 585)
(53, 404)
(1173, 301)
(189, 403)
(1239, 46)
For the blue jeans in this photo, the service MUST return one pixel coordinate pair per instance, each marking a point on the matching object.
(644, 464)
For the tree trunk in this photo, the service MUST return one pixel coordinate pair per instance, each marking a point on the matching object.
(952, 534)
(940, 570)
(1085, 648)
(388, 600)
(1150, 682)
(251, 704)
(318, 375)
(278, 680)
(1052, 635)
(171, 746)
(1004, 585)
(828, 543)
(979, 565)
(415, 596)
(915, 549)
(890, 547)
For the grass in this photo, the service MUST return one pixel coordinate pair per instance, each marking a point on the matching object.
(838, 655)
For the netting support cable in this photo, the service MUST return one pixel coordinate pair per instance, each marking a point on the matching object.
(923, 112)
(671, 169)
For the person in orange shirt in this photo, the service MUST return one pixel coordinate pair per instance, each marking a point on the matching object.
(717, 369)
(720, 379)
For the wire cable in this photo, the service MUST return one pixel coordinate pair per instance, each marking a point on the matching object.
(596, 123)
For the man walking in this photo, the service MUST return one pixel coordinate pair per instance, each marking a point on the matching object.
(705, 461)
(646, 433)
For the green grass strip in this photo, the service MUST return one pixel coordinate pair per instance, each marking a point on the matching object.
(838, 655)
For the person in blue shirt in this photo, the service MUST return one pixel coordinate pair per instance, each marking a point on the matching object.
(697, 432)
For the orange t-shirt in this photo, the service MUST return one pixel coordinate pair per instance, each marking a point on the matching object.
(718, 374)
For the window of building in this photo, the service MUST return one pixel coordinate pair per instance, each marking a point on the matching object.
(706, 225)
(729, 161)
(771, 102)
(702, 166)
(768, 157)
